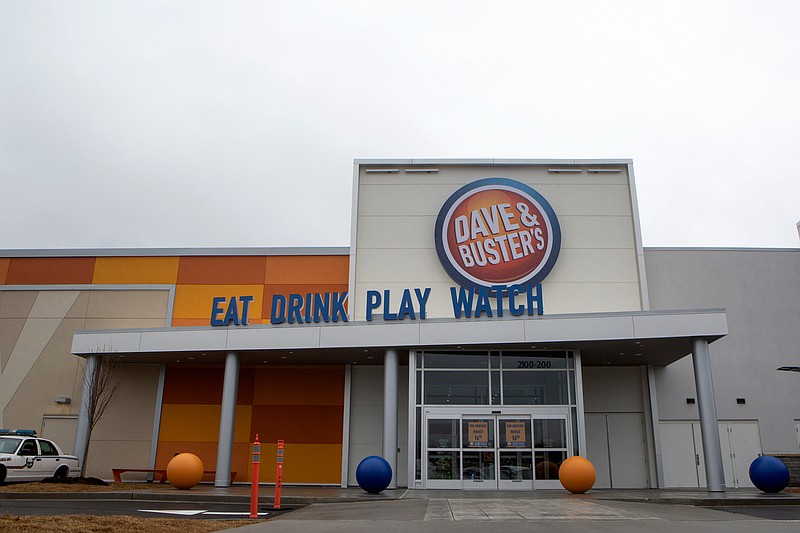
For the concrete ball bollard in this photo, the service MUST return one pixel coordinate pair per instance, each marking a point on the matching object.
(185, 470)
(769, 474)
(577, 475)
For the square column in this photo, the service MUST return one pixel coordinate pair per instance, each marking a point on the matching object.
(390, 370)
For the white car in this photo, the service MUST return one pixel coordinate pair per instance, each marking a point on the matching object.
(24, 457)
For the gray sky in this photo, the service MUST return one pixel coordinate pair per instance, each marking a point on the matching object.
(235, 123)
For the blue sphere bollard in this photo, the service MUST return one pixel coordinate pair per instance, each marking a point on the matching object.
(374, 474)
(769, 474)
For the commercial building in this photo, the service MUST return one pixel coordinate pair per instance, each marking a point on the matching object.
(489, 319)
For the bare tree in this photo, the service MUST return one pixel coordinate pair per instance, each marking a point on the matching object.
(101, 382)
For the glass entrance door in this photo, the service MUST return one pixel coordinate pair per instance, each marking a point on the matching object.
(488, 452)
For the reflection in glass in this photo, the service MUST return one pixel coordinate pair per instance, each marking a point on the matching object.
(443, 434)
(443, 465)
(457, 388)
(548, 463)
(462, 359)
(549, 433)
(478, 466)
(535, 388)
(516, 465)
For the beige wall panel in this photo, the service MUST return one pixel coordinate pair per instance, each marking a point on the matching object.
(402, 200)
(53, 304)
(592, 265)
(41, 368)
(78, 309)
(128, 304)
(564, 298)
(107, 454)
(596, 232)
(17, 304)
(10, 329)
(131, 415)
(612, 389)
(121, 323)
(410, 265)
(62, 431)
(592, 200)
(396, 232)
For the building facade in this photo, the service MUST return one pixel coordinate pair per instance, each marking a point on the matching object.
(490, 319)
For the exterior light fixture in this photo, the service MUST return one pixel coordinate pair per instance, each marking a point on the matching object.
(741, 401)
(63, 400)
(789, 368)
(690, 401)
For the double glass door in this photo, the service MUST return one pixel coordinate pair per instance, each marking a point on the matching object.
(490, 452)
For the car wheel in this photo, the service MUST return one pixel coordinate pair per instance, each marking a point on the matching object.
(2, 474)
(62, 473)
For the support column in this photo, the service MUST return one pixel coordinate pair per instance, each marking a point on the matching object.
(706, 406)
(390, 371)
(227, 418)
(82, 432)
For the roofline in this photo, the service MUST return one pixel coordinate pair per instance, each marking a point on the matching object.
(168, 252)
(491, 161)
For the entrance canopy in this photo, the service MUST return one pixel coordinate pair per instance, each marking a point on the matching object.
(635, 338)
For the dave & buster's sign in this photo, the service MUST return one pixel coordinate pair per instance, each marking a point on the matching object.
(496, 237)
(496, 233)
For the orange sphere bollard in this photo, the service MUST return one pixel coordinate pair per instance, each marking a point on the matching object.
(577, 474)
(185, 470)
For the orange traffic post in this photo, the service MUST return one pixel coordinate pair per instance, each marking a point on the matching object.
(254, 481)
(278, 475)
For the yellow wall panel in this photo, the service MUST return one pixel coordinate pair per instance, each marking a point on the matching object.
(303, 463)
(196, 301)
(151, 270)
(241, 428)
(185, 422)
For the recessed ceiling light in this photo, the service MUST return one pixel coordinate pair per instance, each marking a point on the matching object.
(370, 357)
(190, 358)
(284, 357)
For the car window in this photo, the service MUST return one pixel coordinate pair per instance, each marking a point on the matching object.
(8, 445)
(28, 448)
(47, 447)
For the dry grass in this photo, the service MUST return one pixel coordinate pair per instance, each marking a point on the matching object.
(105, 524)
(36, 486)
(115, 524)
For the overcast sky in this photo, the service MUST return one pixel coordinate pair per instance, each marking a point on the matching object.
(235, 123)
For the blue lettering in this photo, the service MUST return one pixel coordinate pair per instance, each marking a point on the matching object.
(277, 314)
(535, 297)
(216, 310)
(232, 314)
(462, 302)
(483, 305)
(322, 307)
(386, 314)
(295, 305)
(423, 301)
(338, 307)
(499, 290)
(373, 302)
(245, 307)
(406, 306)
(516, 310)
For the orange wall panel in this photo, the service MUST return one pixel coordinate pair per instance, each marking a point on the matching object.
(309, 424)
(150, 270)
(196, 301)
(198, 423)
(203, 385)
(307, 269)
(50, 270)
(298, 386)
(225, 270)
(4, 261)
